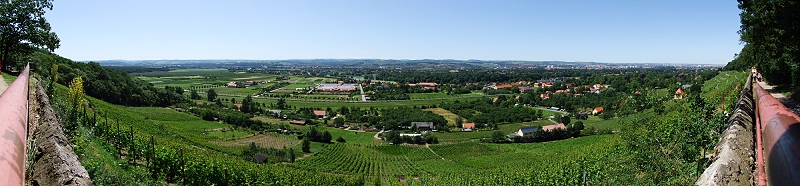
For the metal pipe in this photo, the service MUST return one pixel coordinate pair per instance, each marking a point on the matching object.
(781, 139)
(13, 130)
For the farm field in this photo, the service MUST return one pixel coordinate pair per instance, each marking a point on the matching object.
(442, 95)
(449, 116)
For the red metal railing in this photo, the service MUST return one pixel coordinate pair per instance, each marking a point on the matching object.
(13, 130)
(780, 130)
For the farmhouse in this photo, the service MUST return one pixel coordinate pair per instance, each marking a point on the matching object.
(598, 110)
(231, 84)
(679, 93)
(423, 125)
(297, 122)
(553, 127)
(425, 85)
(469, 125)
(320, 114)
(248, 83)
(525, 131)
(525, 89)
(238, 106)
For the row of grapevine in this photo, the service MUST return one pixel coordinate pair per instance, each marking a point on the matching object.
(176, 161)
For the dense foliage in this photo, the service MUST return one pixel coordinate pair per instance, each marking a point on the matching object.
(107, 84)
(770, 31)
(486, 111)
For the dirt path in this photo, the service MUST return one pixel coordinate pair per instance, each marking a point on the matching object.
(789, 103)
(3, 85)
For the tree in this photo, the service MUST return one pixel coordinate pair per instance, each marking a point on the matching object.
(219, 103)
(459, 122)
(498, 137)
(306, 145)
(291, 155)
(578, 125)
(326, 137)
(340, 139)
(281, 103)
(770, 30)
(338, 121)
(195, 95)
(211, 94)
(24, 29)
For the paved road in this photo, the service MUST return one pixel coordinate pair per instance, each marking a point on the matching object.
(363, 97)
(376, 135)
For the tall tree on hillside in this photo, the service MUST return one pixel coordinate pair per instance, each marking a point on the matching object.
(771, 31)
(195, 95)
(24, 29)
(211, 94)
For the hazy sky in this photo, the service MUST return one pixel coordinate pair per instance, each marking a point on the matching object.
(603, 31)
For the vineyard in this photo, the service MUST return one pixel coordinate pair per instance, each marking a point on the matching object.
(167, 145)
(150, 145)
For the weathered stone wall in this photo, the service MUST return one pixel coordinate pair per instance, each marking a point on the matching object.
(54, 162)
(733, 160)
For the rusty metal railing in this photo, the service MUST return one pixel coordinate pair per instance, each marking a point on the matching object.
(780, 129)
(13, 130)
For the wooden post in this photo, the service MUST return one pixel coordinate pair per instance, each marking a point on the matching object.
(104, 127)
(117, 140)
(152, 150)
(226, 177)
(183, 167)
(133, 147)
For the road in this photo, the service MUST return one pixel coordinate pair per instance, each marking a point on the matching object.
(363, 97)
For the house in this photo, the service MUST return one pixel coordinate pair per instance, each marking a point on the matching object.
(248, 83)
(297, 122)
(425, 85)
(495, 99)
(544, 96)
(679, 93)
(468, 125)
(598, 110)
(423, 125)
(321, 114)
(553, 127)
(238, 106)
(562, 91)
(597, 86)
(503, 86)
(231, 84)
(527, 131)
(525, 89)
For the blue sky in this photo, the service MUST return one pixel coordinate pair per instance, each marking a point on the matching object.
(603, 31)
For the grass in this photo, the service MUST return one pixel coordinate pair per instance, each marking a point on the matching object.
(449, 116)
(9, 78)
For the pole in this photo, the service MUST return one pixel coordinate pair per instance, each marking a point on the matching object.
(183, 167)
(133, 147)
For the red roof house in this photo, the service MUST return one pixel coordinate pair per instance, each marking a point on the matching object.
(553, 127)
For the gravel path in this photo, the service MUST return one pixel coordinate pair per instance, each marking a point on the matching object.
(3, 85)
(789, 103)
